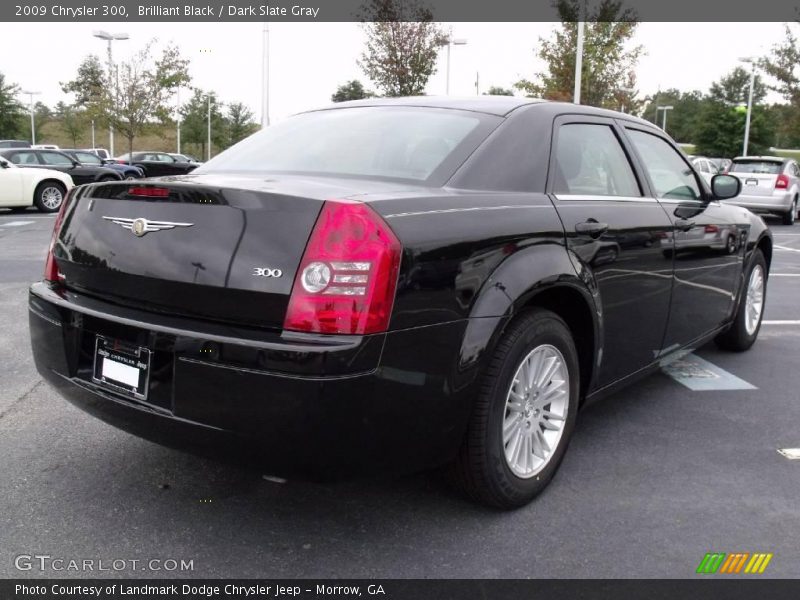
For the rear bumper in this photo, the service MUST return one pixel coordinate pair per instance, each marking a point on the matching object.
(316, 404)
(777, 202)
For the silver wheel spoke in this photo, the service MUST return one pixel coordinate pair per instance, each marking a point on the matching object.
(535, 411)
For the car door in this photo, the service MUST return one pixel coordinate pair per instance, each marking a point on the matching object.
(708, 242)
(10, 185)
(620, 233)
(65, 164)
(170, 166)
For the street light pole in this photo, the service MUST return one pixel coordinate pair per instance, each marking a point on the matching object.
(178, 119)
(110, 37)
(664, 121)
(33, 124)
(208, 153)
(749, 103)
(451, 42)
(576, 95)
(265, 78)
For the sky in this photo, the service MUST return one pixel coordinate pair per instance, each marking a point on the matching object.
(309, 60)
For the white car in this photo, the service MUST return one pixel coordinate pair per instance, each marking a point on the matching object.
(43, 188)
(705, 168)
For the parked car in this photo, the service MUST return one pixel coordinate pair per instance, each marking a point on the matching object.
(156, 164)
(722, 164)
(43, 188)
(85, 157)
(449, 290)
(185, 158)
(45, 147)
(770, 184)
(14, 144)
(704, 167)
(101, 152)
(58, 161)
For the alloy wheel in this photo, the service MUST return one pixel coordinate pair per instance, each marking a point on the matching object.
(535, 411)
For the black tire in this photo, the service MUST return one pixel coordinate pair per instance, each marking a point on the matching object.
(481, 469)
(730, 245)
(789, 217)
(737, 338)
(107, 178)
(42, 198)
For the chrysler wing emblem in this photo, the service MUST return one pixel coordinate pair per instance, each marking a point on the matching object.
(141, 226)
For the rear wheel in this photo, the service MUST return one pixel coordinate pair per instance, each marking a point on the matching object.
(49, 196)
(747, 323)
(789, 217)
(524, 416)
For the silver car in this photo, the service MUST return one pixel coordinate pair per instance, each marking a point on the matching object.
(770, 184)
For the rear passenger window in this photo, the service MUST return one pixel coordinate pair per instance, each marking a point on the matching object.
(671, 176)
(590, 161)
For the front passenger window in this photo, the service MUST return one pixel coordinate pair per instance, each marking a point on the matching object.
(590, 161)
(672, 177)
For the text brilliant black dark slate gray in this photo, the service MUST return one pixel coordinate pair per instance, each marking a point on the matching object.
(351, 10)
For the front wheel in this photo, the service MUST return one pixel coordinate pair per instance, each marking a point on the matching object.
(747, 323)
(525, 413)
(49, 196)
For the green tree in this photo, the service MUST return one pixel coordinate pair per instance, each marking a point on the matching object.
(402, 45)
(682, 120)
(734, 88)
(89, 88)
(11, 112)
(352, 90)
(240, 122)
(608, 63)
(498, 91)
(194, 123)
(141, 89)
(783, 66)
(73, 121)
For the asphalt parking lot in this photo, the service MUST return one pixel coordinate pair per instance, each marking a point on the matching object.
(656, 477)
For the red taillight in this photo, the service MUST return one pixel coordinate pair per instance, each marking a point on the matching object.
(50, 267)
(711, 229)
(782, 182)
(346, 281)
(149, 192)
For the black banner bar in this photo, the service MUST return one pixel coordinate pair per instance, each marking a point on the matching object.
(734, 588)
(223, 11)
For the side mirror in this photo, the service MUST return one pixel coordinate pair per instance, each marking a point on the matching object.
(3, 164)
(75, 163)
(725, 186)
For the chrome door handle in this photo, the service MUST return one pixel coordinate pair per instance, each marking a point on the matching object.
(591, 228)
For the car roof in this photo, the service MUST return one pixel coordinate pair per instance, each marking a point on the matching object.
(494, 105)
(765, 158)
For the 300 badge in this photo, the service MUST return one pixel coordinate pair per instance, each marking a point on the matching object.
(266, 272)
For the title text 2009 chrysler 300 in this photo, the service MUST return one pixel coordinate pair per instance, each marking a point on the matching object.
(397, 284)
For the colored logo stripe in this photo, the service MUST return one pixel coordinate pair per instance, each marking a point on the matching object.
(758, 563)
(733, 563)
(711, 562)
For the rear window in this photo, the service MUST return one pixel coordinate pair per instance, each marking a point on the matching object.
(386, 142)
(767, 167)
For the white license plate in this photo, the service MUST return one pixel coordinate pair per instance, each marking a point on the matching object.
(121, 367)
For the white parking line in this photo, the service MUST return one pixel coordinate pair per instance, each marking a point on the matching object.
(780, 322)
(784, 274)
(787, 248)
(790, 453)
(699, 375)
(16, 223)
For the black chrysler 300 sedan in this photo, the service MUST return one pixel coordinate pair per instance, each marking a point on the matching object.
(397, 284)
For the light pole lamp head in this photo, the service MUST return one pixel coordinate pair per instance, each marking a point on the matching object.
(459, 42)
(103, 35)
